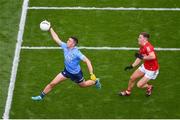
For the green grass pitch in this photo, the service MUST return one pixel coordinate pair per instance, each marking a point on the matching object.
(96, 28)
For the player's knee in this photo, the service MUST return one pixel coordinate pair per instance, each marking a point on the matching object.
(139, 85)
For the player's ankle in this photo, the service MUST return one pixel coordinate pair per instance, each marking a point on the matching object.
(128, 91)
(42, 95)
(149, 86)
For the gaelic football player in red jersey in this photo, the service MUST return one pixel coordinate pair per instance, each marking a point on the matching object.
(147, 71)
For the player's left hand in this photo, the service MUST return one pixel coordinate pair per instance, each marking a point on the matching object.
(93, 77)
(128, 67)
(137, 55)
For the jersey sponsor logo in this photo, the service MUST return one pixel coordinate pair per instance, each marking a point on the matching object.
(69, 57)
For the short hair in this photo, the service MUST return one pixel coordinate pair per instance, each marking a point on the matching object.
(145, 34)
(75, 40)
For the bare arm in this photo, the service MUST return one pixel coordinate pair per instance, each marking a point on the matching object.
(89, 65)
(55, 36)
(151, 56)
(136, 62)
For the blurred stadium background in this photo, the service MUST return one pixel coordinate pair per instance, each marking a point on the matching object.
(97, 28)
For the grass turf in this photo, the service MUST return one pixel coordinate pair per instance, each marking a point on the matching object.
(93, 28)
(67, 100)
(9, 28)
(108, 3)
(105, 28)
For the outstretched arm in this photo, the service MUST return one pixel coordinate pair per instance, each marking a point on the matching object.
(55, 36)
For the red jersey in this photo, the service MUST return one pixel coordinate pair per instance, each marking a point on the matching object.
(149, 64)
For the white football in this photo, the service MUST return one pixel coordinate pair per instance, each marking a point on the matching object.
(45, 25)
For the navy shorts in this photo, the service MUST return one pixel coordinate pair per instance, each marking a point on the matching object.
(77, 78)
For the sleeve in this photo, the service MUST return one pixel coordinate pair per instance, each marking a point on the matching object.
(140, 51)
(80, 55)
(63, 45)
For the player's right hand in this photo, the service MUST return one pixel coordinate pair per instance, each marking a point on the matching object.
(93, 77)
(128, 67)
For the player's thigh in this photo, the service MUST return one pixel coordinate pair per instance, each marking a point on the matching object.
(137, 74)
(142, 81)
(58, 78)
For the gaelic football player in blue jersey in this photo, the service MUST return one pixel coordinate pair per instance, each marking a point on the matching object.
(72, 69)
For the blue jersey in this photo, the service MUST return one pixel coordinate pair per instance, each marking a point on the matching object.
(72, 57)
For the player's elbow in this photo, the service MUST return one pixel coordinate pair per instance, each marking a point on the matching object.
(87, 61)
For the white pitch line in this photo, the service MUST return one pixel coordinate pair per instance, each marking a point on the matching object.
(104, 8)
(98, 48)
(16, 60)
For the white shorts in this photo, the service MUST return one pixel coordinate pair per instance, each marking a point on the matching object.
(148, 73)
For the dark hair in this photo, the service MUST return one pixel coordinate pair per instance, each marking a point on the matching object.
(75, 40)
(144, 34)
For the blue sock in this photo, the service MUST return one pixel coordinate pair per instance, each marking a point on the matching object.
(42, 94)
